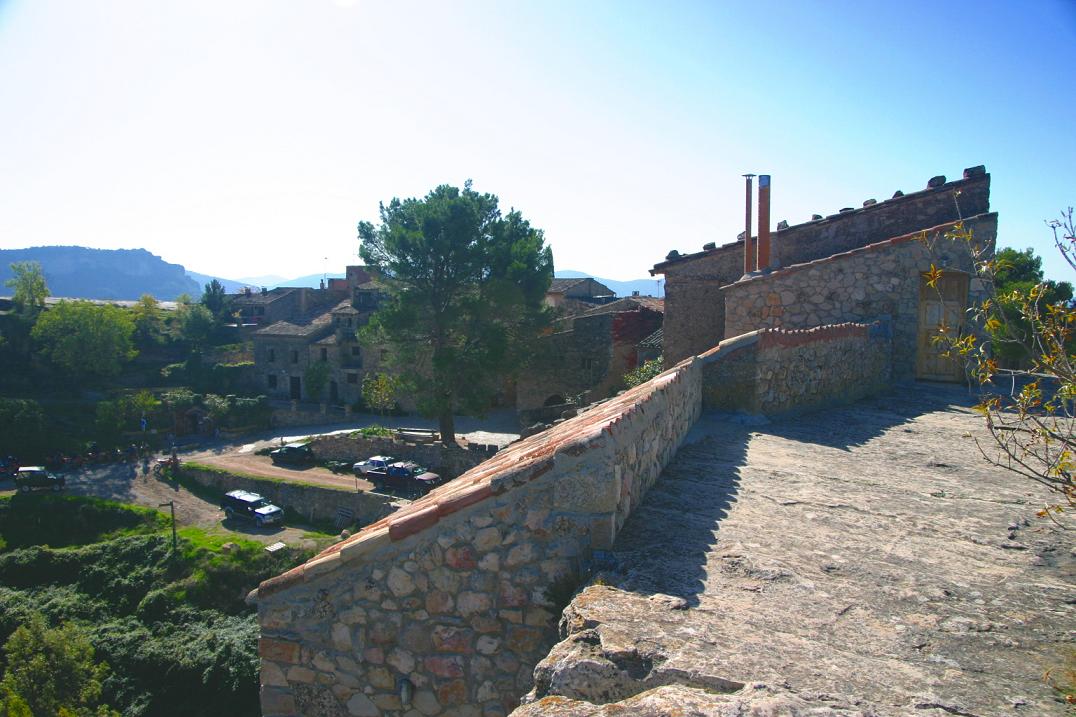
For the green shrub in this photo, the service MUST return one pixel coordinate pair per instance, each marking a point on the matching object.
(55, 520)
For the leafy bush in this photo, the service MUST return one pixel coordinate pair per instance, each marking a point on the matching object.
(642, 374)
(22, 427)
(35, 519)
(175, 630)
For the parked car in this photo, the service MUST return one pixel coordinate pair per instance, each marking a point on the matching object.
(251, 506)
(293, 454)
(31, 477)
(373, 463)
(407, 477)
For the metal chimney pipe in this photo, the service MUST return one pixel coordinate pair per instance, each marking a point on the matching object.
(748, 255)
(763, 221)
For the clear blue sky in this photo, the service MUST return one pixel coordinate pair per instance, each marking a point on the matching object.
(248, 137)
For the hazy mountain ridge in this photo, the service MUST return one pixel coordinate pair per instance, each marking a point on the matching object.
(75, 271)
(645, 287)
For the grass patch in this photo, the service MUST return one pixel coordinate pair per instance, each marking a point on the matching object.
(372, 432)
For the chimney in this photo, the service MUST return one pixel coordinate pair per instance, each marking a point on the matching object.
(748, 258)
(635, 293)
(763, 221)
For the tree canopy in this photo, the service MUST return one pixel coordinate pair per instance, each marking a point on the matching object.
(85, 340)
(214, 297)
(29, 285)
(1029, 408)
(465, 287)
(51, 672)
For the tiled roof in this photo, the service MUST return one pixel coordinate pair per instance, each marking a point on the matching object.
(257, 297)
(519, 463)
(971, 174)
(559, 286)
(655, 340)
(903, 238)
(307, 326)
(629, 303)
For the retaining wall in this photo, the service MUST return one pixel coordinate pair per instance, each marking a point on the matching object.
(448, 462)
(313, 502)
(446, 606)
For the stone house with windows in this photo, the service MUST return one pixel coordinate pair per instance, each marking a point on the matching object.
(854, 265)
(570, 297)
(590, 352)
(285, 349)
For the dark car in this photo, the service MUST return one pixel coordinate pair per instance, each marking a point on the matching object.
(251, 506)
(293, 454)
(31, 477)
(406, 477)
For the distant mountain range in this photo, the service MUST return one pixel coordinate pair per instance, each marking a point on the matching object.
(74, 271)
(645, 287)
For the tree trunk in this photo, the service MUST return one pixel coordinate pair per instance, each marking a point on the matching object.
(447, 425)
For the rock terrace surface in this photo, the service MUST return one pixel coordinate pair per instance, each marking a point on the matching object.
(863, 560)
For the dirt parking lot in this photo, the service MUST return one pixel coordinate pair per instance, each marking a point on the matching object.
(135, 483)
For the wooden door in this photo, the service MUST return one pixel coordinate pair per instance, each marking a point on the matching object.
(943, 303)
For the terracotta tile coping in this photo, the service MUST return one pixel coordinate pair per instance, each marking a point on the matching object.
(885, 244)
(517, 464)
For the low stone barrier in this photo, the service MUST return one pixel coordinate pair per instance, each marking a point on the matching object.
(449, 603)
(776, 371)
(448, 462)
(318, 504)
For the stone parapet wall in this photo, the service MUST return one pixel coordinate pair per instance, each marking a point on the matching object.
(881, 279)
(775, 371)
(313, 502)
(445, 607)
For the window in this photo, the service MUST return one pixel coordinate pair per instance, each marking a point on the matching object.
(272, 356)
(353, 378)
(272, 381)
(325, 354)
(588, 364)
(295, 357)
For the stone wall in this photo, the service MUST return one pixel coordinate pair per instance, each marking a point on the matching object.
(313, 502)
(445, 607)
(593, 356)
(695, 302)
(881, 279)
(774, 371)
(448, 462)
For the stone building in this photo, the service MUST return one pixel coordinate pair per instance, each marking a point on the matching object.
(575, 296)
(591, 352)
(285, 349)
(283, 303)
(696, 284)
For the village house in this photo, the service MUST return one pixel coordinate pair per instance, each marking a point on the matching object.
(589, 353)
(853, 265)
(324, 331)
(570, 297)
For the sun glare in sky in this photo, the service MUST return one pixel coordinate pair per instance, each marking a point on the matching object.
(249, 137)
